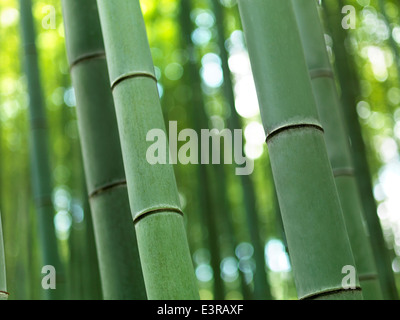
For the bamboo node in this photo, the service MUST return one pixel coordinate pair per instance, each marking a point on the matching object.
(367, 276)
(328, 292)
(321, 73)
(149, 212)
(107, 187)
(87, 57)
(30, 49)
(292, 127)
(43, 201)
(4, 295)
(134, 74)
(38, 123)
(339, 172)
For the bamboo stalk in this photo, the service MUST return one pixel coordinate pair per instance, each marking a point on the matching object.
(93, 291)
(348, 81)
(120, 268)
(3, 280)
(40, 166)
(310, 207)
(198, 119)
(328, 104)
(152, 189)
(262, 290)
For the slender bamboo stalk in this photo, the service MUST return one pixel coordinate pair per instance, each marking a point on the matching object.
(226, 217)
(3, 281)
(40, 166)
(348, 81)
(120, 268)
(152, 189)
(310, 207)
(93, 291)
(262, 290)
(328, 104)
(205, 174)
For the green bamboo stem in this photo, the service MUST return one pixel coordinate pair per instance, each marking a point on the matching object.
(262, 290)
(310, 207)
(120, 268)
(152, 190)
(75, 280)
(3, 280)
(198, 119)
(214, 205)
(208, 210)
(40, 166)
(226, 218)
(328, 104)
(348, 81)
(93, 290)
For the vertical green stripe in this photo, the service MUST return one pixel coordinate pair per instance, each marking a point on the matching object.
(40, 166)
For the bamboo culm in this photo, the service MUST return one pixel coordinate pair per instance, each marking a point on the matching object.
(317, 239)
(212, 200)
(348, 81)
(330, 112)
(120, 268)
(262, 290)
(40, 166)
(152, 189)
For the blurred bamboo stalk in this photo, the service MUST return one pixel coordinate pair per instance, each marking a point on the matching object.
(262, 290)
(40, 166)
(208, 209)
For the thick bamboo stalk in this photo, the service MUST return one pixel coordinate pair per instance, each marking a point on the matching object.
(262, 290)
(40, 166)
(3, 280)
(120, 268)
(328, 104)
(310, 207)
(348, 82)
(158, 218)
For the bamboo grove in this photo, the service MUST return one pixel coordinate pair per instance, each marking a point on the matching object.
(199, 149)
